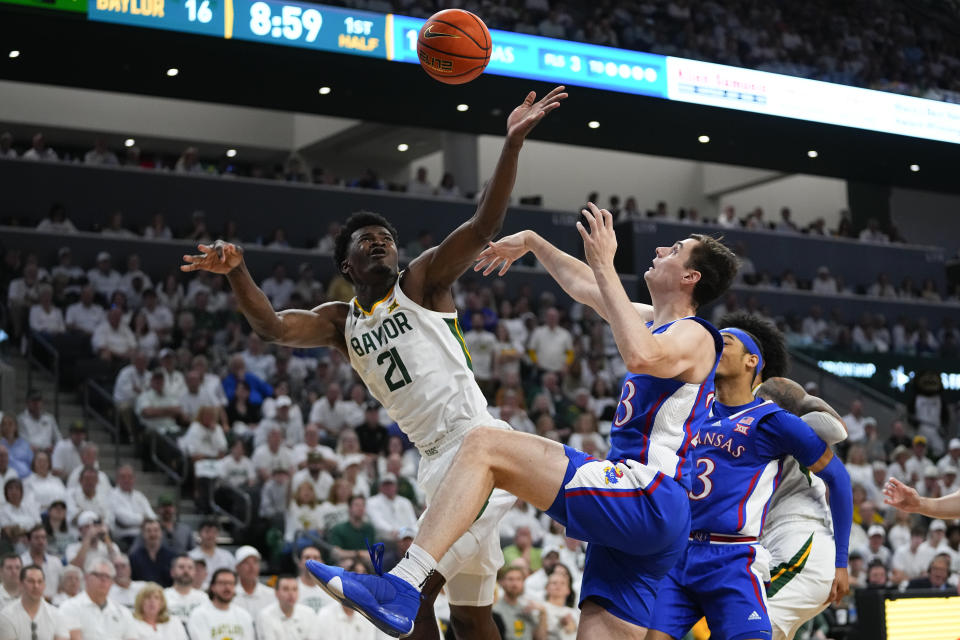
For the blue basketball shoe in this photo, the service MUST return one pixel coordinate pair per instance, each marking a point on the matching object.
(387, 601)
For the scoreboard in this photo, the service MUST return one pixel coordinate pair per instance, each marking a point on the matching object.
(393, 37)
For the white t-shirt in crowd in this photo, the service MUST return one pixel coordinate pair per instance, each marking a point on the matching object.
(172, 629)
(302, 624)
(209, 623)
(551, 347)
(183, 606)
(85, 318)
(338, 624)
(312, 595)
(112, 622)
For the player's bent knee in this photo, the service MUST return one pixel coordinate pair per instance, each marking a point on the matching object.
(473, 622)
(480, 442)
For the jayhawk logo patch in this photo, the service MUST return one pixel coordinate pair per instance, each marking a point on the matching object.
(612, 475)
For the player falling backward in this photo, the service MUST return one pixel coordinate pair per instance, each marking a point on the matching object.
(401, 335)
(740, 455)
(633, 508)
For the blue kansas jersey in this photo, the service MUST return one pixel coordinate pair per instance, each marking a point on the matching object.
(738, 459)
(657, 418)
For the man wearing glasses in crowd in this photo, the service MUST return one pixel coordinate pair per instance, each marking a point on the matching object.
(31, 616)
(91, 615)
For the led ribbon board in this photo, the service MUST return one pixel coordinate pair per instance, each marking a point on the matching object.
(393, 37)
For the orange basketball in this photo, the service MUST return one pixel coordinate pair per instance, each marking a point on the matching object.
(454, 46)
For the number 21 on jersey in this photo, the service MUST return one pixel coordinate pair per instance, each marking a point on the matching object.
(396, 375)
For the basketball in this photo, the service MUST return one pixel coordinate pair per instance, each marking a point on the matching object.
(454, 46)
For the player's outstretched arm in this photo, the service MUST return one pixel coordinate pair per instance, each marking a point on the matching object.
(442, 265)
(905, 498)
(573, 275)
(294, 327)
(685, 349)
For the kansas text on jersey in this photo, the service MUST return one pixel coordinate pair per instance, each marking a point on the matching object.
(739, 457)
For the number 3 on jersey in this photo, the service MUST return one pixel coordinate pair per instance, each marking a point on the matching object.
(395, 369)
(704, 477)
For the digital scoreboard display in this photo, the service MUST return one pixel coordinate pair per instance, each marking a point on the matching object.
(394, 37)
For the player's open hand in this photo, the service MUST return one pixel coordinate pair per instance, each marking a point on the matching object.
(524, 118)
(899, 495)
(600, 242)
(220, 257)
(504, 252)
(840, 587)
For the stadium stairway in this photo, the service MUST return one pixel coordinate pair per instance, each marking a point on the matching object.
(152, 483)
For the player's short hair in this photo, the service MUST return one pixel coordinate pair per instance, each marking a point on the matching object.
(772, 343)
(358, 220)
(717, 265)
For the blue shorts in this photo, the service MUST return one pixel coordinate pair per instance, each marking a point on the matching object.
(637, 522)
(719, 581)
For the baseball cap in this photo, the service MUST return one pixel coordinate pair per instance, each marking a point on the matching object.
(88, 517)
(164, 353)
(406, 532)
(352, 459)
(103, 255)
(870, 421)
(372, 405)
(284, 401)
(900, 449)
(878, 465)
(244, 552)
(78, 425)
(919, 440)
(938, 525)
(876, 530)
(388, 477)
(950, 469)
(164, 500)
(954, 444)
(315, 456)
(63, 251)
(931, 472)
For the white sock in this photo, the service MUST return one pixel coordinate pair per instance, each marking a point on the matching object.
(415, 567)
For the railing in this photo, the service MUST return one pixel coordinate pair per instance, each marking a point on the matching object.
(169, 459)
(241, 496)
(98, 407)
(52, 369)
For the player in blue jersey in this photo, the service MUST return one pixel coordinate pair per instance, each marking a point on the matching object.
(739, 457)
(632, 508)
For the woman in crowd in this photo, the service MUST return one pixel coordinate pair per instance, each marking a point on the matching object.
(152, 621)
(306, 515)
(59, 534)
(21, 453)
(147, 340)
(339, 501)
(41, 485)
(19, 511)
(240, 410)
(562, 615)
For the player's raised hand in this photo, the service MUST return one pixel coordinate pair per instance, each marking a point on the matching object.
(524, 118)
(840, 587)
(600, 242)
(220, 257)
(504, 252)
(899, 495)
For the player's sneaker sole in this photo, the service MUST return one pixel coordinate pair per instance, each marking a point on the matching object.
(330, 580)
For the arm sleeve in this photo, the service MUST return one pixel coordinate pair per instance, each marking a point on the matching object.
(841, 506)
(826, 426)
